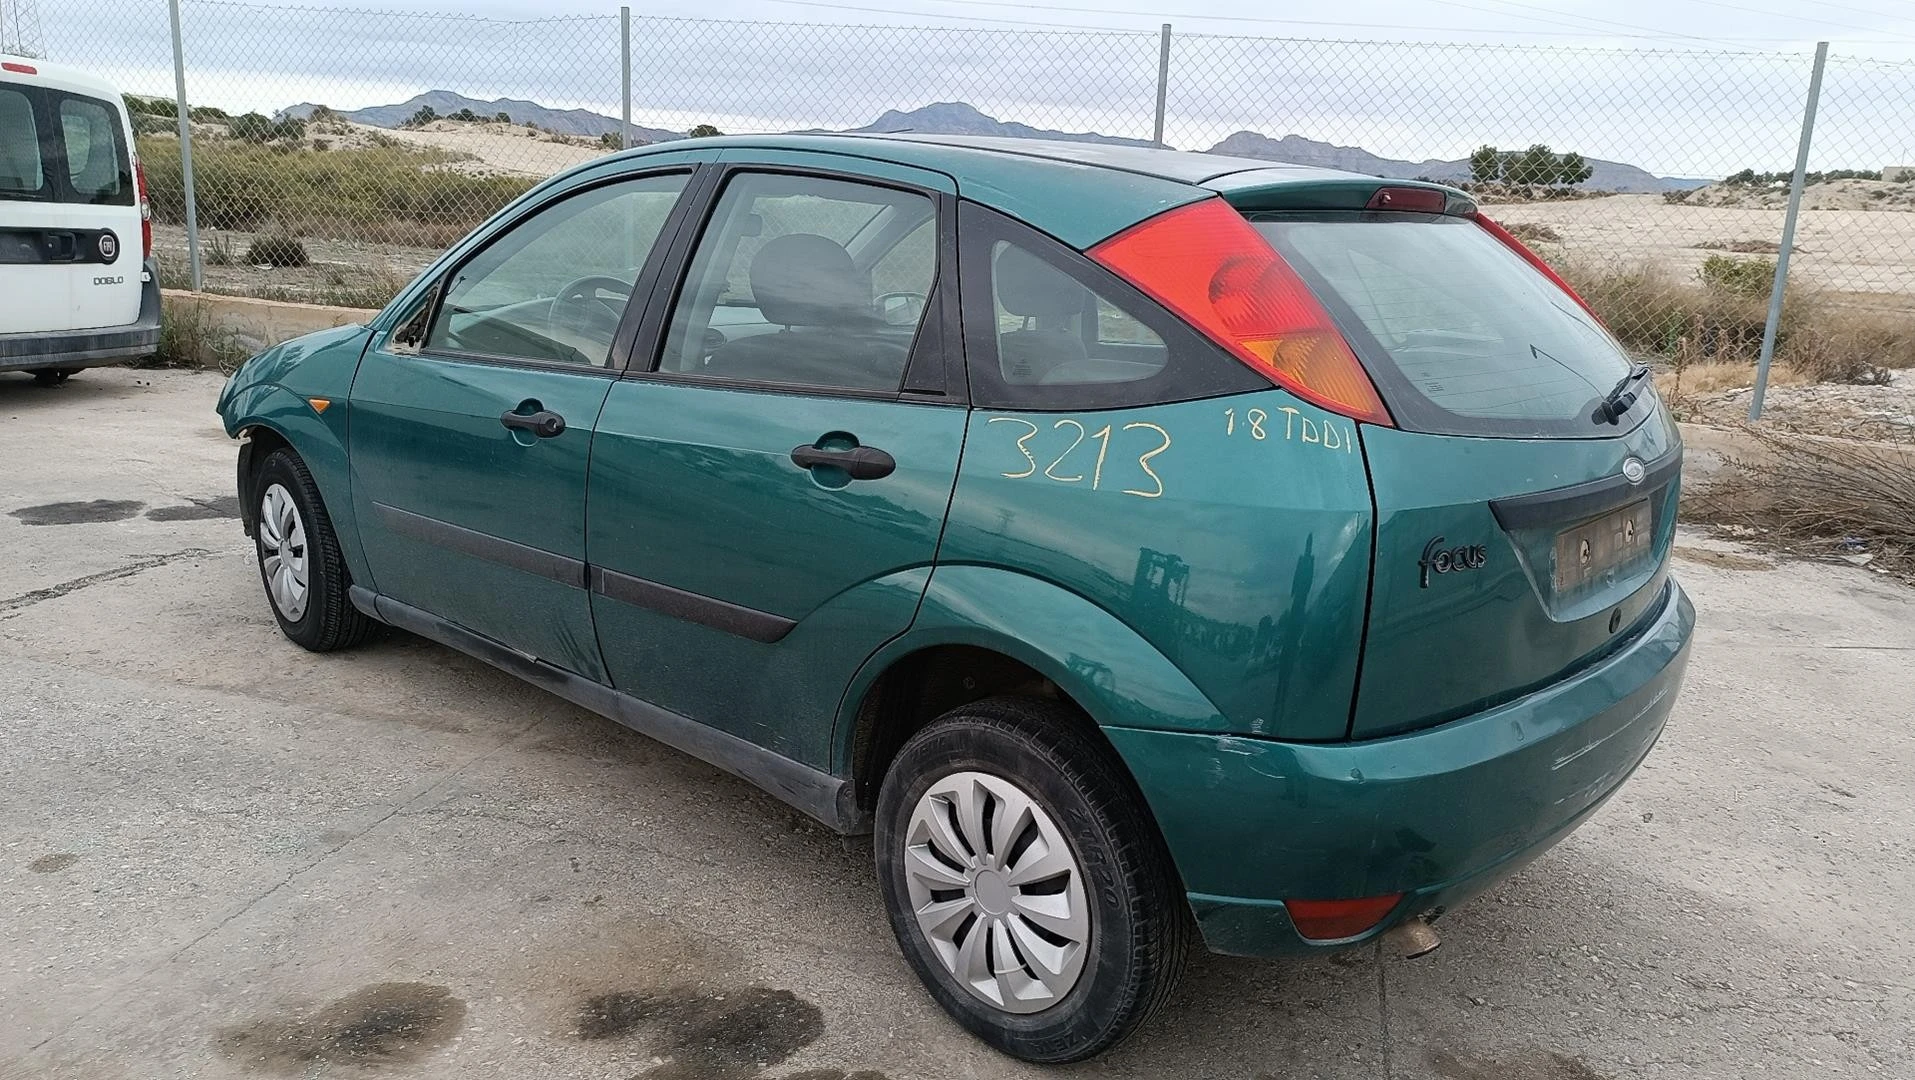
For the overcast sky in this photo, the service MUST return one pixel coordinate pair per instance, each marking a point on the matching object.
(1682, 87)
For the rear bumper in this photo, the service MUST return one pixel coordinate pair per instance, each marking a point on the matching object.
(68, 349)
(1436, 815)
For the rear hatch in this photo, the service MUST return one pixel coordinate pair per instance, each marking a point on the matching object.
(70, 219)
(1523, 529)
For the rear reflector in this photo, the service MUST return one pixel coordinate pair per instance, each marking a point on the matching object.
(146, 210)
(1414, 199)
(23, 69)
(1331, 920)
(1535, 260)
(1204, 262)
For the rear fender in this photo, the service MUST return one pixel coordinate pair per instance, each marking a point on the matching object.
(1116, 676)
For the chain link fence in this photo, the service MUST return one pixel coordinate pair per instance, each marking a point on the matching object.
(374, 138)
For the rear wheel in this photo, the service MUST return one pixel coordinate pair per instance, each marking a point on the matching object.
(299, 559)
(1025, 885)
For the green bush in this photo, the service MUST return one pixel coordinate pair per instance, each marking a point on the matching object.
(276, 251)
(1742, 277)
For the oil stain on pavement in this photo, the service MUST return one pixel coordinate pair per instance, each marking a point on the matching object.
(79, 513)
(706, 1035)
(386, 1023)
(47, 864)
(222, 506)
(1532, 1066)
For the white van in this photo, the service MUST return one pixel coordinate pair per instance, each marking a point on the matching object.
(78, 285)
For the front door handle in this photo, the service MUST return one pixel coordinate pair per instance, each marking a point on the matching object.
(859, 463)
(544, 423)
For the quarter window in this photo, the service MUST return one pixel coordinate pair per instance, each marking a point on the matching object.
(1053, 330)
(806, 281)
(555, 287)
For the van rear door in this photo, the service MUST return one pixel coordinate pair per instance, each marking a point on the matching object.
(70, 227)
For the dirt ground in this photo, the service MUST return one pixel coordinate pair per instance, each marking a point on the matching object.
(225, 857)
(1885, 413)
(1855, 251)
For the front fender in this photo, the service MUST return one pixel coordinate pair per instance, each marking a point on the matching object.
(320, 441)
(1120, 679)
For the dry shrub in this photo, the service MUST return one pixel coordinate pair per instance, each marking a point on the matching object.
(1532, 232)
(1717, 317)
(1819, 496)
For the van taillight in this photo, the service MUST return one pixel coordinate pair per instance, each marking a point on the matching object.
(146, 210)
(1509, 241)
(1205, 262)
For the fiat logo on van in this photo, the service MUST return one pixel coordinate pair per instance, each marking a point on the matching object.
(108, 246)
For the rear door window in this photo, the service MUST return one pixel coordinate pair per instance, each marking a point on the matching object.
(97, 171)
(63, 148)
(1461, 335)
(22, 169)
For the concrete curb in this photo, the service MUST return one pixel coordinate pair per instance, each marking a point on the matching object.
(257, 324)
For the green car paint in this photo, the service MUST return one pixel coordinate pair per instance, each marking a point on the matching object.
(1232, 535)
(689, 495)
(1230, 587)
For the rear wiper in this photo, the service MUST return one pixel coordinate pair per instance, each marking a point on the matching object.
(1622, 395)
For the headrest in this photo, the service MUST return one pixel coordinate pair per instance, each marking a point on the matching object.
(1029, 286)
(808, 280)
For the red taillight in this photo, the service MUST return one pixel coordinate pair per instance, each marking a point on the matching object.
(1204, 262)
(1534, 260)
(22, 69)
(146, 211)
(1330, 920)
(1420, 200)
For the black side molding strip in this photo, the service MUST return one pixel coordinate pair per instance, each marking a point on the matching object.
(692, 607)
(1560, 506)
(819, 794)
(546, 564)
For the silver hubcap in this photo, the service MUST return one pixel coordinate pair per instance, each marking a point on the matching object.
(282, 551)
(996, 891)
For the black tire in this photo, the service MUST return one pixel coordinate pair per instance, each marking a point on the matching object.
(1140, 924)
(328, 621)
(50, 377)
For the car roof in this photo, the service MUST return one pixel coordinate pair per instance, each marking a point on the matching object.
(60, 77)
(1080, 192)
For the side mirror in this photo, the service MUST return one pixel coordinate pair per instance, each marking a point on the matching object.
(900, 308)
(410, 336)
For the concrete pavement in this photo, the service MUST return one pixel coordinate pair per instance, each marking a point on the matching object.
(221, 856)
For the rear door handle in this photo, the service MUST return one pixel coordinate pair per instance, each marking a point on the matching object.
(544, 423)
(860, 463)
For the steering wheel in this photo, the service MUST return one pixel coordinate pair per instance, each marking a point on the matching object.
(596, 315)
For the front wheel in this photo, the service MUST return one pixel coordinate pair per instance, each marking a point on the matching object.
(299, 559)
(1026, 885)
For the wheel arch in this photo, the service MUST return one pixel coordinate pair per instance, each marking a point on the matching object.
(985, 631)
(269, 416)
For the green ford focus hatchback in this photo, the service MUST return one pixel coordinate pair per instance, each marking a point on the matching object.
(1147, 547)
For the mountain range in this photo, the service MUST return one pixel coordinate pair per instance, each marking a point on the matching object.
(961, 118)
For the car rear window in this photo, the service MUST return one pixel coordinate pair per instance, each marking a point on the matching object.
(1461, 335)
(61, 147)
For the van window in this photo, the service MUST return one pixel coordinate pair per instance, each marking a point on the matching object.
(21, 174)
(90, 133)
(63, 148)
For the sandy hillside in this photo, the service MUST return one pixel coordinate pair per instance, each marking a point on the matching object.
(493, 147)
(1828, 195)
(1851, 250)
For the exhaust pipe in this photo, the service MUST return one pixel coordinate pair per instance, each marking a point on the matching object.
(1413, 939)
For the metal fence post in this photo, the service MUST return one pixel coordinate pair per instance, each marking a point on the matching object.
(186, 146)
(1163, 83)
(625, 76)
(1788, 234)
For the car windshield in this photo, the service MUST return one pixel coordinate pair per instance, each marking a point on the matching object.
(1461, 335)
